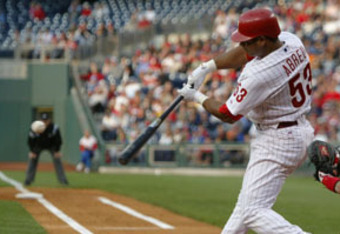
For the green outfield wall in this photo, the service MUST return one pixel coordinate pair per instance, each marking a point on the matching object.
(38, 87)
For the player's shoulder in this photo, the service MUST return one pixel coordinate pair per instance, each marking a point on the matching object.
(287, 35)
(32, 134)
(93, 138)
(55, 127)
(289, 38)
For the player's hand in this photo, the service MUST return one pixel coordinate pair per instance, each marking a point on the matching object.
(322, 175)
(32, 155)
(57, 155)
(187, 92)
(190, 94)
(197, 77)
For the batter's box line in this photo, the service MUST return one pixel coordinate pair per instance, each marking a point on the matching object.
(48, 205)
(125, 228)
(135, 213)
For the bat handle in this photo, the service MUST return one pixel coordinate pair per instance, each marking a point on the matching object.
(191, 85)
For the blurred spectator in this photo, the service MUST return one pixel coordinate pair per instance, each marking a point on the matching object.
(37, 11)
(166, 136)
(132, 24)
(101, 10)
(74, 10)
(150, 14)
(110, 124)
(92, 77)
(143, 23)
(87, 145)
(167, 139)
(98, 98)
(220, 27)
(82, 35)
(86, 9)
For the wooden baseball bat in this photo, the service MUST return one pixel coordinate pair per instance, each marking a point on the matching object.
(130, 151)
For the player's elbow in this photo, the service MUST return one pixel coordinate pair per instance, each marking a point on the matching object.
(227, 119)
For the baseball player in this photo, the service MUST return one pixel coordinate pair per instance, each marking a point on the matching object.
(49, 140)
(325, 158)
(273, 91)
(88, 145)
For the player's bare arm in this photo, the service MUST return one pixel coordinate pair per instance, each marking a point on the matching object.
(233, 58)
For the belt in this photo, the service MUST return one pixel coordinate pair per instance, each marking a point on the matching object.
(287, 124)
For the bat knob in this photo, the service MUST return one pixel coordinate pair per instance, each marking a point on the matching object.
(123, 161)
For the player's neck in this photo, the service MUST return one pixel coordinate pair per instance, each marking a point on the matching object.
(271, 47)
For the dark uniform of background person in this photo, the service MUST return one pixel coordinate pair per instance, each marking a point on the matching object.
(49, 140)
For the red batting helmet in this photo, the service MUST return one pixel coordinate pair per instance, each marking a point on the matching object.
(254, 23)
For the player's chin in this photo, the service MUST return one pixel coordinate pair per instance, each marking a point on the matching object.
(247, 51)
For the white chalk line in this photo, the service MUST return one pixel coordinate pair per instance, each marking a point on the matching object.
(135, 213)
(61, 215)
(15, 183)
(49, 206)
(125, 228)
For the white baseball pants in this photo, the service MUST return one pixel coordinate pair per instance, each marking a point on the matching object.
(275, 154)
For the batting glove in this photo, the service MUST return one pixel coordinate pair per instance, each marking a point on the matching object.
(191, 94)
(198, 75)
(321, 175)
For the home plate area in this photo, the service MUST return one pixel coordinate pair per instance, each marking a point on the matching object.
(93, 211)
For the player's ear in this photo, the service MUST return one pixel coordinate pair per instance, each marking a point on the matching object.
(262, 39)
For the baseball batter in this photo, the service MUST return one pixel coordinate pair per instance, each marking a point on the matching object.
(274, 92)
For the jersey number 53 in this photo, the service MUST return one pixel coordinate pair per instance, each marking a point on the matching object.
(300, 86)
(240, 93)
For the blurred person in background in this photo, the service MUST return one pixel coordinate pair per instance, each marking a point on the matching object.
(110, 124)
(87, 145)
(49, 140)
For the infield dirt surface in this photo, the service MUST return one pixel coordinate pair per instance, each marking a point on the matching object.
(84, 207)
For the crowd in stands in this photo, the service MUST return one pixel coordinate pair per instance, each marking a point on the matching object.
(74, 29)
(130, 92)
(133, 91)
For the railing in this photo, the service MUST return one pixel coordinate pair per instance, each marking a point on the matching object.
(215, 156)
(85, 115)
(222, 155)
(101, 47)
(122, 43)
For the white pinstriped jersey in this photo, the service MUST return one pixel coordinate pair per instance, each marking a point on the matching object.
(277, 87)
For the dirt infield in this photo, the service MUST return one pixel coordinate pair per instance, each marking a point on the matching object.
(84, 207)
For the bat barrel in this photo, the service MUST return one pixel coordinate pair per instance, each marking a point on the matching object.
(131, 150)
